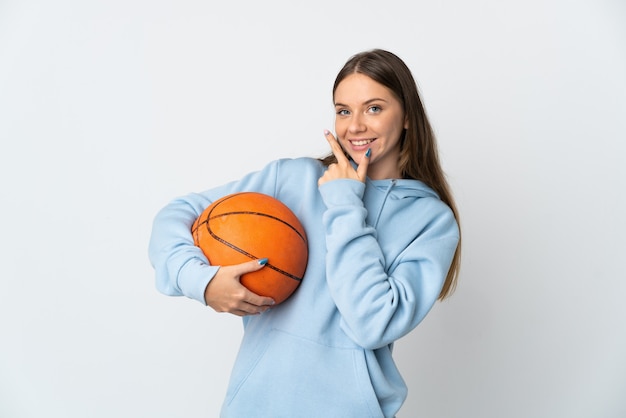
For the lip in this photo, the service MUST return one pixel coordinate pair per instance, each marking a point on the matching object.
(356, 147)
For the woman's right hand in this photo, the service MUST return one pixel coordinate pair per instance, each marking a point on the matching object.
(225, 293)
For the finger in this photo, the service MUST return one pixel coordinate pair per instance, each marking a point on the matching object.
(251, 298)
(258, 303)
(245, 311)
(361, 170)
(249, 266)
(335, 147)
(249, 308)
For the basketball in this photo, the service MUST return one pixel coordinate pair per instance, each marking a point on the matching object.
(248, 226)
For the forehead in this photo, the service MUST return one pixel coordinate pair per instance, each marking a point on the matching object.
(358, 88)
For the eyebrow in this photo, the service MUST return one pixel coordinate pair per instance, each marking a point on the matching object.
(375, 99)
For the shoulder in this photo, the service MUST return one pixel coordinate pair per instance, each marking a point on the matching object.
(301, 167)
(299, 164)
(279, 169)
(295, 175)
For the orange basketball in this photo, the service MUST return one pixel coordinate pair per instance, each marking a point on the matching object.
(248, 226)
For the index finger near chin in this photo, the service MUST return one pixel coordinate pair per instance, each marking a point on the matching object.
(335, 147)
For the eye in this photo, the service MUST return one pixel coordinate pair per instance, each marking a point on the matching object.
(343, 112)
(374, 109)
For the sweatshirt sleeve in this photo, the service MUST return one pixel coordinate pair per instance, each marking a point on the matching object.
(181, 269)
(380, 304)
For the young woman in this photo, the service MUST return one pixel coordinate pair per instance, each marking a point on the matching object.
(384, 245)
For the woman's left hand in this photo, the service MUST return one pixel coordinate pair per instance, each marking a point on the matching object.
(343, 169)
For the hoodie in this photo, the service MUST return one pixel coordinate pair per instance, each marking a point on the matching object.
(379, 253)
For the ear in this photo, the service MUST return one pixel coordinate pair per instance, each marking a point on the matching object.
(406, 122)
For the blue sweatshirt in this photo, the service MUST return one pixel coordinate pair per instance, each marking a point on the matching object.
(379, 253)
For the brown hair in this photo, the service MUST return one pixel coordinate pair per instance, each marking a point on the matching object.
(419, 158)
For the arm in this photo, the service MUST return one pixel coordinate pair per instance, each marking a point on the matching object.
(380, 304)
(181, 269)
(380, 300)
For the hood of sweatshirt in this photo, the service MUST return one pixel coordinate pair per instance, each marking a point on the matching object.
(395, 190)
(401, 188)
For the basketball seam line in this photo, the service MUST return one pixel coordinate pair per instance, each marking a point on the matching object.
(248, 212)
(241, 251)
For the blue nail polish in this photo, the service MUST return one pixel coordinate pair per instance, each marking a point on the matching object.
(368, 152)
(262, 261)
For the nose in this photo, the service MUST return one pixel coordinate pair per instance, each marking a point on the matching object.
(357, 124)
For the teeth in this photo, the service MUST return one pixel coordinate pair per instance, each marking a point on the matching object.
(360, 143)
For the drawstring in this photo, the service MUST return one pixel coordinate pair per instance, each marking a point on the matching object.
(380, 209)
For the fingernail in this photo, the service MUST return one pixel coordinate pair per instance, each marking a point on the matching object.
(368, 152)
(262, 261)
(326, 132)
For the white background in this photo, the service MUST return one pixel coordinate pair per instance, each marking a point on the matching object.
(109, 109)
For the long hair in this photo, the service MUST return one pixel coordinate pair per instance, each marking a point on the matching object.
(419, 157)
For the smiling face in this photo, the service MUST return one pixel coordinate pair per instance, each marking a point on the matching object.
(368, 115)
